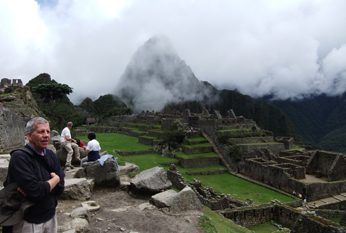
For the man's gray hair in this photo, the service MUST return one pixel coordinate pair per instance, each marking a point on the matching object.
(70, 123)
(30, 126)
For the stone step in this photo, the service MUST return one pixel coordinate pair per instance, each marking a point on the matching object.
(199, 162)
(197, 148)
(147, 140)
(327, 201)
(196, 140)
(135, 152)
(275, 147)
(250, 140)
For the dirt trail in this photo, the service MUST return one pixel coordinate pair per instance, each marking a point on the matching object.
(121, 212)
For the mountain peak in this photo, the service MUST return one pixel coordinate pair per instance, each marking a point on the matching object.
(156, 75)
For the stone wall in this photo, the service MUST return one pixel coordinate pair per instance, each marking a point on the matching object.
(335, 206)
(268, 173)
(250, 216)
(275, 147)
(321, 163)
(198, 162)
(208, 197)
(338, 171)
(283, 178)
(284, 215)
(316, 191)
(11, 130)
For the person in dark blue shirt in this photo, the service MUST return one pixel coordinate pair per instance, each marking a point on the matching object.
(40, 181)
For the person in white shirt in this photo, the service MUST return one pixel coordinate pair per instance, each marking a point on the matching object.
(70, 145)
(93, 148)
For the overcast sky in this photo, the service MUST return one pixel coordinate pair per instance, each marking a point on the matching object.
(288, 48)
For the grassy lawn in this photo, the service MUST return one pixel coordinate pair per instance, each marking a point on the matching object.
(264, 228)
(225, 183)
(201, 169)
(194, 156)
(146, 161)
(240, 188)
(115, 141)
(198, 145)
(212, 222)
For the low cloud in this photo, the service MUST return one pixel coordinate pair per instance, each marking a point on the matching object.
(285, 48)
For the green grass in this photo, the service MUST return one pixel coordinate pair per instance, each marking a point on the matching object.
(146, 161)
(263, 228)
(212, 222)
(201, 169)
(195, 156)
(198, 145)
(240, 188)
(196, 139)
(115, 141)
(224, 183)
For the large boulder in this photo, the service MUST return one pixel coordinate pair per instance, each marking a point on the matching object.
(77, 189)
(105, 175)
(185, 200)
(151, 181)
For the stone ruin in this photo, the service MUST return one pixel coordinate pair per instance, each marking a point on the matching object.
(285, 216)
(5, 83)
(313, 174)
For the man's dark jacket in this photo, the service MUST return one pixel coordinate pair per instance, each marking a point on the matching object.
(32, 178)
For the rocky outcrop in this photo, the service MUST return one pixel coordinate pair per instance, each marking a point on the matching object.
(105, 175)
(151, 181)
(77, 189)
(11, 130)
(185, 200)
(16, 108)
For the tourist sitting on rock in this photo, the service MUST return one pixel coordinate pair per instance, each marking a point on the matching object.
(82, 148)
(69, 144)
(92, 149)
(80, 143)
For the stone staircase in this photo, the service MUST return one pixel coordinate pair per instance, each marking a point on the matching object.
(248, 139)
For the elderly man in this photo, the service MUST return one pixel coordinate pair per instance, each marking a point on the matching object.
(38, 174)
(70, 145)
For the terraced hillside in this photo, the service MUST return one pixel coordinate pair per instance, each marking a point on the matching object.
(196, 159)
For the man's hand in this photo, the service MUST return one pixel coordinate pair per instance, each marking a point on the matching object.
(53, 181)
(21, 191)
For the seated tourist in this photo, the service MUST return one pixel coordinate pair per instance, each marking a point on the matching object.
(92, 149)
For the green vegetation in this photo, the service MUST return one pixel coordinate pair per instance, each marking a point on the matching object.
(146, 161)
(200, 169)
(320, 120)
(225, 183)
(267, 227)
(240, 188)
(195, 156)
(114, 141)
(51, 97)
(105, 106)
(212, 222)
(198, 145)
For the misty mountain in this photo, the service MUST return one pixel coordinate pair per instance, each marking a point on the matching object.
(157, 78)
(156, 75)
(319, 120)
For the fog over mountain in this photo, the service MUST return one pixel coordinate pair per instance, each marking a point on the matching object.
(287, 48)
(156, 75)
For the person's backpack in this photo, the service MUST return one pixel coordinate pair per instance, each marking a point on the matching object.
(12, 203)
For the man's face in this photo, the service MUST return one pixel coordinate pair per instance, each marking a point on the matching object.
(40, 137)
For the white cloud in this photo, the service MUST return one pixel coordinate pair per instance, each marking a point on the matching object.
(288, 48)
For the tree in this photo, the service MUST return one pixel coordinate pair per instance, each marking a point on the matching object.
(52, 91)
